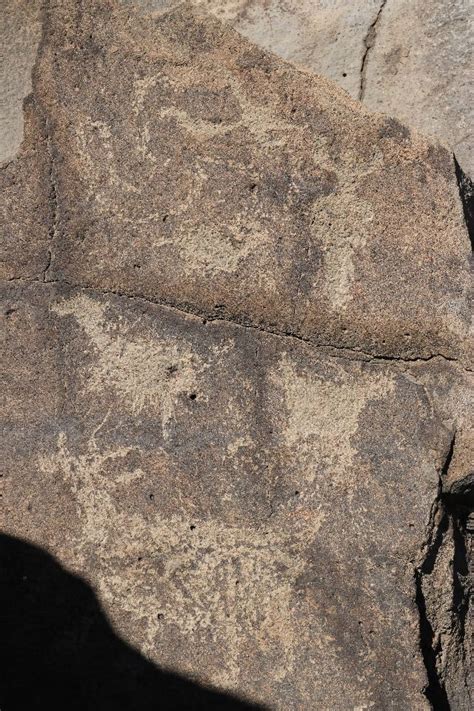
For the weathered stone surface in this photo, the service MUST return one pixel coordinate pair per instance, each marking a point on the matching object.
(26, 209)
(20, 34)
(421, 70)
(260, 492)
(411, 59)
(193, 169)
(251, 512)
(408, 58)
(326, 37)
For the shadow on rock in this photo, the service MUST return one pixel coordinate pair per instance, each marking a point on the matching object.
(58, 650)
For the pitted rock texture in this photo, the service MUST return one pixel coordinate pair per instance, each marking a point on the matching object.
(189, 167)
(237, 375)
(411, 59)
(251, 512)
(407, 58)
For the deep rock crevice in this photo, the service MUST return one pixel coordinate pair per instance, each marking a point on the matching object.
(444, 651)
(466, 192)
(434, 691)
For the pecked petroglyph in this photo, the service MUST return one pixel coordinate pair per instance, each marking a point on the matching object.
(136, 369)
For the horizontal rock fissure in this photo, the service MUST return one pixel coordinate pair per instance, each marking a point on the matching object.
(347, 353)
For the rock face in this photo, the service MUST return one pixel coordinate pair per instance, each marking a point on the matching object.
(233, 188)
(421, 70)
(411, 59)
(237, 393)
(19, 38)
(408, 58)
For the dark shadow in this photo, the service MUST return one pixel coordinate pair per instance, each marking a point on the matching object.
(466, 191)
(58, 650)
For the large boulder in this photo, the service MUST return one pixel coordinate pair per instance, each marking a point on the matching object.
(191, 168)
(408, 58)
(236, 326)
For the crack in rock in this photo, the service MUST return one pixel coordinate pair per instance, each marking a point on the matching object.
(369, 41)
(330, 349)
(53, 201)
(443, 629)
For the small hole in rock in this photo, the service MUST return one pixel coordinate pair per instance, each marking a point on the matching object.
(344, 74)
(192, 527)
(192, 396)
(151, 497)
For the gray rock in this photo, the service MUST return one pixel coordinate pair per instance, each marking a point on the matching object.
(20, 34)
(421, 70)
